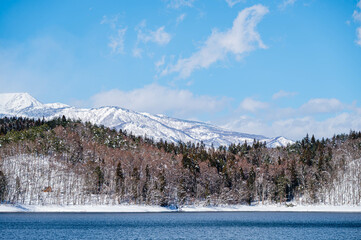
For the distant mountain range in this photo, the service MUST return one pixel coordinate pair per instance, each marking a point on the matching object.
(140, 124)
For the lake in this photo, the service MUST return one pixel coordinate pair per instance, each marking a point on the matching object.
(178, 225)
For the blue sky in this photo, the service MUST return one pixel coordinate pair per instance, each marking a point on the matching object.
(286, 67)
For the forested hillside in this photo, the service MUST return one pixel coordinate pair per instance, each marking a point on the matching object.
(67, 162)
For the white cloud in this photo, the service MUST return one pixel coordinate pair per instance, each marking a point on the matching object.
(179, 3)
(251, 105)
(296, 128)
(357, 13)
(286, 3)
(112, 21)
(357, 18)
(231, 3)
(158, 36)
(238, 40)
(141, 25)
(159, 99)
(137, 52)
(117, 41)
(247, 124)
(160, 63)
(322, 105)
(322, 117)
(181, 17)
(283, 94)
(358, 31)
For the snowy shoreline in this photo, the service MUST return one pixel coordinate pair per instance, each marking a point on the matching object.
(144, 208)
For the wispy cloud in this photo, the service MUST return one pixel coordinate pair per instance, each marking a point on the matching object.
(137, 52)
(160, 63)
(181, 17)
(231, 3)
(238, 40)
(159, 99)
(357, 12)
(179, 3)
(358, 35)
(283, 94)
(159, 36)
(286, 3)
(116, 39)
(357, 18)
(112, 21)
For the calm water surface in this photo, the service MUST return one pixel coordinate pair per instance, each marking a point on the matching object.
(221, 225)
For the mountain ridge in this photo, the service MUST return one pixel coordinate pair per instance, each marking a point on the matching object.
(156, 126)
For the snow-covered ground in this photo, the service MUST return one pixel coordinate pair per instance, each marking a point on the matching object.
(81, 208)
(275, 208)
(145, 208)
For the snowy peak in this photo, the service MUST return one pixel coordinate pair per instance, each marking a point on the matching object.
(279, 142)
(140, 124)
(15, 102)
(55, 105)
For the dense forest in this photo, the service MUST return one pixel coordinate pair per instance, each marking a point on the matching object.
(69, 162)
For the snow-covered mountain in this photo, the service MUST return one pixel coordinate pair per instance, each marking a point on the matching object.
(140, 124)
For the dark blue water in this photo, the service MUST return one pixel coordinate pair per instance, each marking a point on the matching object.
(221, 225)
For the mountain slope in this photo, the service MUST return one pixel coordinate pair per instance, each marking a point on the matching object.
(15, 102)
(140, 124)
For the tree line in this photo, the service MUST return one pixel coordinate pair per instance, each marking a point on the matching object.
(69, 162)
